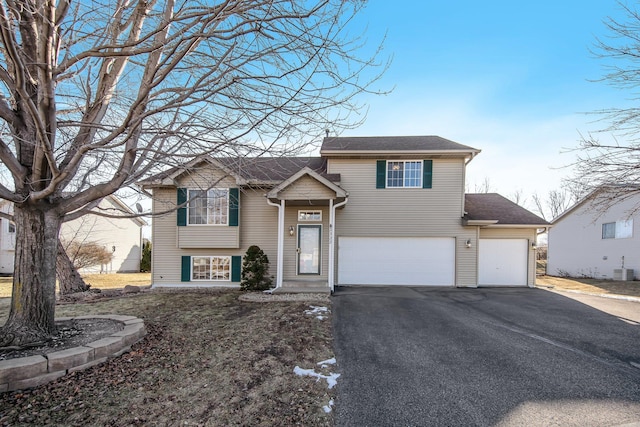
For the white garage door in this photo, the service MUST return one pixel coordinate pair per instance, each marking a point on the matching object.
(503, 262)
(396, 261)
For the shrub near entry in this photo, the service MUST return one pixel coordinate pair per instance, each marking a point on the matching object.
(255, 270)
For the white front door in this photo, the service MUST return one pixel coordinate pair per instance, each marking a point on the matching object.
(309, 249)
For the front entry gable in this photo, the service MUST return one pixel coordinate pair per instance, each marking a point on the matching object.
(307, 185)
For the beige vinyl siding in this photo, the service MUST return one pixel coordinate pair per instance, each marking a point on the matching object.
(306, 188)
(516, 233)
(208, 236)
(205, 177)
(399, 212)
(466, 259)
(260, 228)
(165, 257)
(259, 225)
(407, 212)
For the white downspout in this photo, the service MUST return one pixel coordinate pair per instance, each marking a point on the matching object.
(280, 262)
(332, 234)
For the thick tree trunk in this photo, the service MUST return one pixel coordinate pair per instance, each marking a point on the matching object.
(32, 315)
(69, 279)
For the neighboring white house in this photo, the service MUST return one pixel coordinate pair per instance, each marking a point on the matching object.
(588, 241)
(122, 236)
(7, 239)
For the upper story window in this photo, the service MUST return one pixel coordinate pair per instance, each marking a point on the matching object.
(407, 174)
(618, 229)
(12, 227)
(208, 206)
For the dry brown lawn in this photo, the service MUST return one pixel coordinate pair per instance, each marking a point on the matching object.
(590, 285)
(97, 281)
(208, 359)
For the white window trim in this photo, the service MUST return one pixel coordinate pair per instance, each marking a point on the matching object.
(210, 268)
(312, 211)
(206, 225)
(619, 228)
(420, 175)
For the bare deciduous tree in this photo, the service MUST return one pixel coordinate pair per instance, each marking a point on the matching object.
(482, 187)
(556, 203)
(98, 94)
(610, 157)
(69, 278)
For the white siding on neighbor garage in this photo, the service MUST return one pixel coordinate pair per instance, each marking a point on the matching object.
(419, 261)
(503, 262)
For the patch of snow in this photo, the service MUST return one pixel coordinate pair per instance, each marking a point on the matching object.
(327, 408)
(332, 379)
(326, 363)
(319, 311)
(316, 310)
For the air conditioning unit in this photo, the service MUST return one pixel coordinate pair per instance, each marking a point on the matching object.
(625, 274)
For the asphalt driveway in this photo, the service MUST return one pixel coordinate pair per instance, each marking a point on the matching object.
(488, 357)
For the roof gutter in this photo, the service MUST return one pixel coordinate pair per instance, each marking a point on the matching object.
(473, 155)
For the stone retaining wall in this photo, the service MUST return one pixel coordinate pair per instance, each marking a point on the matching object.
(32, 371)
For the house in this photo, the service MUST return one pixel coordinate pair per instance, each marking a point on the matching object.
(121, 236)
(596, 238)
(368, 211)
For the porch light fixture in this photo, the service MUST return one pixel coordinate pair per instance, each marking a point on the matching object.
(291, 231)
(534, 246)
(468, 244)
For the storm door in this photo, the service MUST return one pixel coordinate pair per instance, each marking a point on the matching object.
(309, 249)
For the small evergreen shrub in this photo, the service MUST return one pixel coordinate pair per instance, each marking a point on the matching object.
(145, 262)
(255, 270)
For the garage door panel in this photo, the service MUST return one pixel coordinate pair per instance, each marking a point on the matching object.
(503, 262)
(396, 261)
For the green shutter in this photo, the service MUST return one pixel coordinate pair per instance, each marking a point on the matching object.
(186, 268)
(381, 173)
(182, 211)
(234, 205)
(236, 268)
(427, 173)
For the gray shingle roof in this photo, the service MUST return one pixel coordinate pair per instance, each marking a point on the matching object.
(260, 169)
(392, 143)
(272, 168)
(493, 206)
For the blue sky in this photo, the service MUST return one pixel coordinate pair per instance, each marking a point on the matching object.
(510, 78)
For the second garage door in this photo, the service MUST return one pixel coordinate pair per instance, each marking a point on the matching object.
(396, 261)
(503, 262)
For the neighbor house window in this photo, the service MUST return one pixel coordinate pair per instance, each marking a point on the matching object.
(618, 229)
(208, 206)
(309, 215)
(210, 268)
(12, 227)
(407, 174)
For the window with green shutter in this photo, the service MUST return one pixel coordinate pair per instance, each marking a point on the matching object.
(381, 173)
(234, 207)
(404, 173)
(186, 269)
(427, 174)
(182, 209)
(236, 268)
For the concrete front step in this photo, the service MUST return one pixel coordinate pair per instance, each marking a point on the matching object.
(302, 290)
